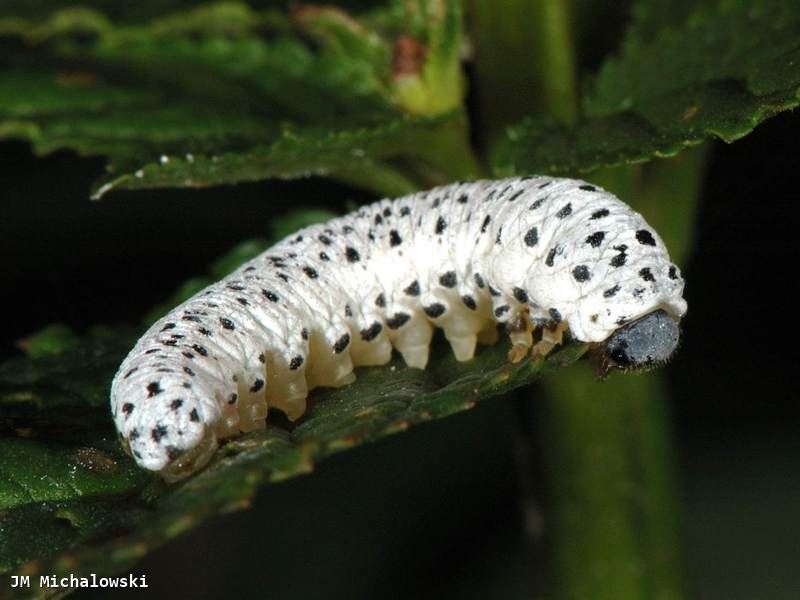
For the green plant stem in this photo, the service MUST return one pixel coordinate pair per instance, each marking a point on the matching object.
(524, 62)
(615, 515)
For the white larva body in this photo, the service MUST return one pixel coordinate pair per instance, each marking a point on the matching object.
(342, 294)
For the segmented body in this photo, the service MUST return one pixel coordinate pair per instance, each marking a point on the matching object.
(462, 257)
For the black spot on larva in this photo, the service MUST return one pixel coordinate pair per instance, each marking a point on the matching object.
(131, 372)
(673, 272)
(227, 323)
(469, 302)
(304, 333)
(479, 280)
(324, 257)
(188, 354)
(235, 288)
(347, 229)
(324, 239)
(565, 211)
(485, 223)
(436, 202)
(520, 295)
(257, 385)
(310, 272)
(233, 398)
(136, 453)
(499, 234)
(544, 185)
(493, 292)
(551, 256)
(170, 342)
(645, 238)
(646, 274)
(501, 310)
(204, 331)
(188, 371)
(516, 195)
(283, 276)
(599, 214)
(434, 310)
(153, 388)
(462, 199)
(371, 236)
(151, 351)
(386, 212)
(555, 315)
(532, 237)
(405, 211)
(194, 415)
(394, 238)
(296, 363)
(158, 432)
(177, 336)
(593, 318)
(243, 301)
(397, 320)
(341, 344)
(176, 404)
(412, 289)
(536, 204)
(371, 332)
(352, 254)
(348, 312)
(168, 326)
(192, 318)
(250, 269)
(638, 292)
(587, 188)
(174, 452)
(127, 408)
(621, 321)
(619, 259)
(380, 300)
(581, 273)
(271, 296)
(441, 225)
(610, 292)
(596, 239)
(378, 219)
(449, 279)
(262, 358)
(187, 385)
(134, 434)
(200, 349)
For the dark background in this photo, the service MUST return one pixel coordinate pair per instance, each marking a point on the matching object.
(435, 511)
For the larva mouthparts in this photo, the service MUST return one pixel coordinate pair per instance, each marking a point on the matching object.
(542, 255)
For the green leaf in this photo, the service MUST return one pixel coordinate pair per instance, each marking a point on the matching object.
(711, 76)
(222, 93)
(66, 481)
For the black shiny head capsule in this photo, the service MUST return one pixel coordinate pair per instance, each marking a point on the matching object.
(642, 344)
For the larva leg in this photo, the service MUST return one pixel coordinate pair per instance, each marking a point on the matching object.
(551, 337)
(413, 339)
(287, 389)
(519, 330)
(330, 364)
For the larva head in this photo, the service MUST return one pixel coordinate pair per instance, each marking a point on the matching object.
(641, 344)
